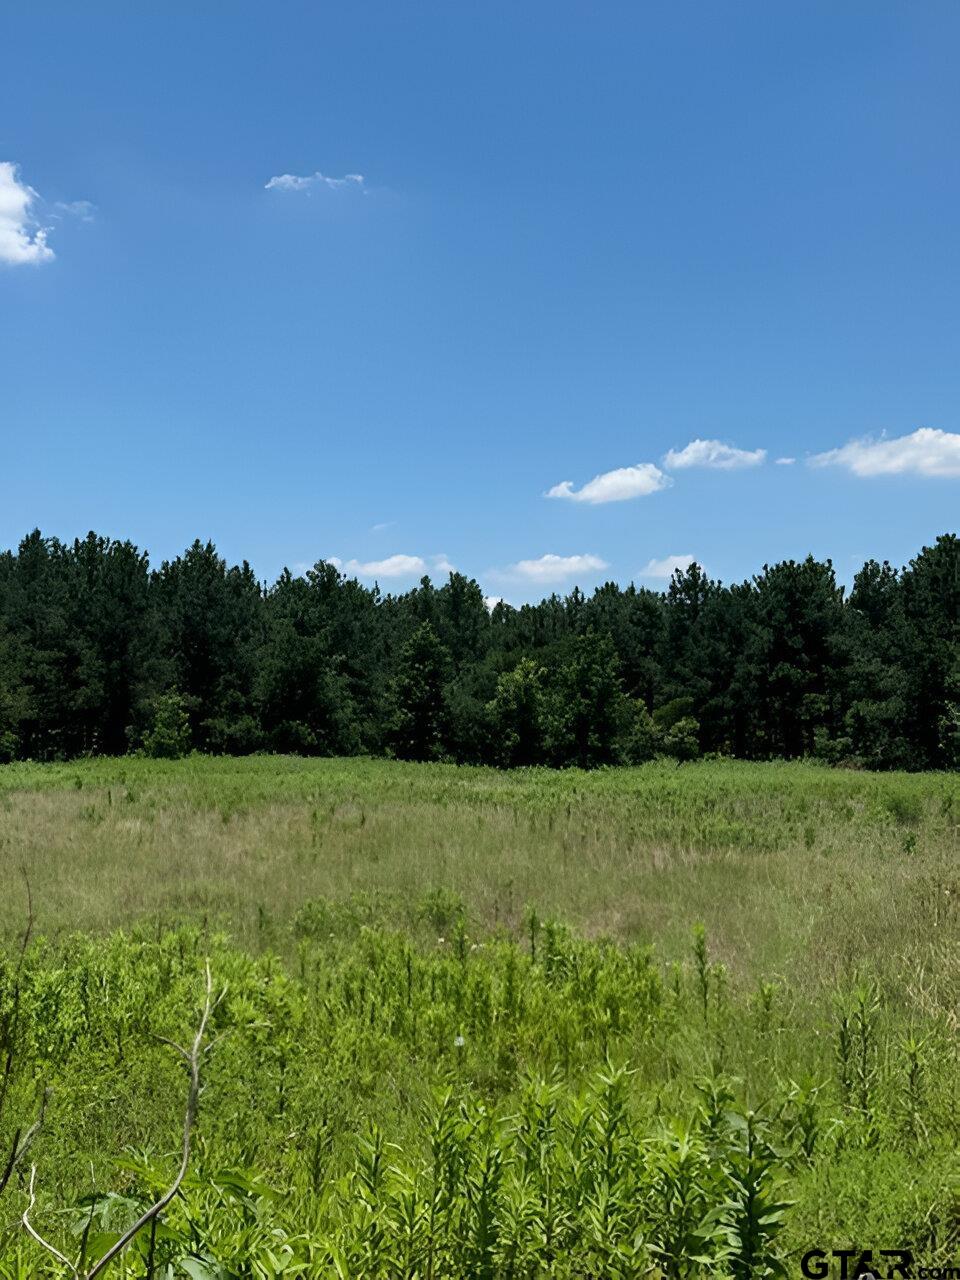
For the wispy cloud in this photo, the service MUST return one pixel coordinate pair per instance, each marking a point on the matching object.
(665, 568)
(84, 210)
(551, 568)
(927, 451)
(614, 486)
(313, 181)
(713, 453)
(22, 241)
(785, 462)
(383, 526)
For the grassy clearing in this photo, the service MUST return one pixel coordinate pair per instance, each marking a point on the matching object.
(428, 1074)
(794, 869)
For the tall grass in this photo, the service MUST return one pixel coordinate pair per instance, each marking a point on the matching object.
(463, 1107)
(740, 1045)
(794, 869)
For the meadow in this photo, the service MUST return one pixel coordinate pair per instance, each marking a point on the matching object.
(658, 1020)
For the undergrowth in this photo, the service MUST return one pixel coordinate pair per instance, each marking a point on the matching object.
(439, 1100)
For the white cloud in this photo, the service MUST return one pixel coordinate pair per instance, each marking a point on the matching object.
(614, 486)
(307, 182)
(785, 462)
(21, 240)
(715, 454)
(551, 568)
(666, 567)
(492, 601)
(383, 526)
(398, 566)
(927, 451)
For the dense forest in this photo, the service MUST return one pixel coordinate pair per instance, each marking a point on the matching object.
(100, 653)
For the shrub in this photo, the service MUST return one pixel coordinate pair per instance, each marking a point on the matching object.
(168, 737)
(645, 742)
(682, 739)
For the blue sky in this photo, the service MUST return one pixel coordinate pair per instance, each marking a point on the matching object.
(587, 237)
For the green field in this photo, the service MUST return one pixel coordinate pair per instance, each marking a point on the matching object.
(472, 1026)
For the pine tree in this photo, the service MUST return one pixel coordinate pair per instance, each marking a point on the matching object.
(588, 710)
(419, 714)
(518, 712)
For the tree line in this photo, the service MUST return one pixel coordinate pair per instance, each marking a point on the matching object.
(100, 653)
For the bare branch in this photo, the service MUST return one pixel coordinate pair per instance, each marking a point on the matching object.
(35, 1235)
(18, 1150)
(85, 1235)
(192, 1059)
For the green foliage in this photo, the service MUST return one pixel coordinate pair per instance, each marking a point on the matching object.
(168, 737)
(782, 666)
(419, 717)
(682, 739)
(950, 715)
(644, 742)
(518, 713)
(587, 710)
(301, 689)
(754, 1211)
(435, 1076)
(13, 700)
(667, 733)
(473, 1104)
(468, 732)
